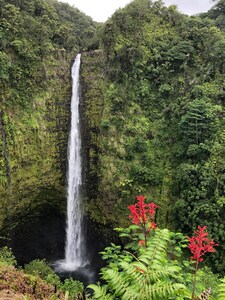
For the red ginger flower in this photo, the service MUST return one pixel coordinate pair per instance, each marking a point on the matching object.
(200, 244)
(142, 212)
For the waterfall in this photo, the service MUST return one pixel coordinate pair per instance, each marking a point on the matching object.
(74, 249)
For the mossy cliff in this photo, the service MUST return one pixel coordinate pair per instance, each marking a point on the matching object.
(107, 163)
(101, 213)
(92, 105)
(34, 154)
(39, 41)
(161, 131)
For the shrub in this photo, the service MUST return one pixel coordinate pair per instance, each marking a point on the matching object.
(6, 257)
(74, 287)
(39, 267)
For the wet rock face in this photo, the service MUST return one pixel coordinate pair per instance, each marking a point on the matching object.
(37, 231)
(43, 238)
(91, 107)
(33, 162)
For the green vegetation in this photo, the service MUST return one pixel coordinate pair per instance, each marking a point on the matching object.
(36, 281)
(72, 287)
(153, 104)
(7, 258)
(147, 275)
(155, 268)
(162, 125)
(41, 269)
(158, 271)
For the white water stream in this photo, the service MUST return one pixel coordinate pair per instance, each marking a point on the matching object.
(74, 249)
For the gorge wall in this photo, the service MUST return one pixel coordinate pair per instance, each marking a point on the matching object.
(39, 41)
(34, 160)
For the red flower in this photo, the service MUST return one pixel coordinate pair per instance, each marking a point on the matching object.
(151, 209)
(200, 244)
(141, 213)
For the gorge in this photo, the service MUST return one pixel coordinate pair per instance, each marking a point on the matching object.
(152, 107)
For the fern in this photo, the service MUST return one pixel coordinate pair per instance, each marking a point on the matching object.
(100, 292)
(149, 276)
(221, 290)
(156, 251)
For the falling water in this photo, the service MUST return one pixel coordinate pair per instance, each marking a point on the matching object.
(74, 250)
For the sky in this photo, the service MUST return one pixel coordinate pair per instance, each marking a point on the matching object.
(101, 10)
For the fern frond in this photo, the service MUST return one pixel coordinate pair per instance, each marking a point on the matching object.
(119, 282)
(156, 251)
(138, 271)
(157, 291)
(221, 290)
(157, 275)
(135, 271)
(100, 292)
(162, 290)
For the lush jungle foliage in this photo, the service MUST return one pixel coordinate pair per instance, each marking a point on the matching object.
(152, 265)
(155, 119)
(162, 129)
(34, 34)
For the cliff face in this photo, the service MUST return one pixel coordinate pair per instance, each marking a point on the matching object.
(39, 40)
(92, 106)
(33, 157)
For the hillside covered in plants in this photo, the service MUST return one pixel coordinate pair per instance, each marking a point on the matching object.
(162, 126)
(152, 111)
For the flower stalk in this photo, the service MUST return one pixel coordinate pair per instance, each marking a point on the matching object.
(199, 245)
(143, 214)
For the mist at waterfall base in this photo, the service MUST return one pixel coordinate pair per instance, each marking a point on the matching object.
(89, 272)
(76, 262)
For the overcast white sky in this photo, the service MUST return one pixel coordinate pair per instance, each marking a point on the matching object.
(101, 10)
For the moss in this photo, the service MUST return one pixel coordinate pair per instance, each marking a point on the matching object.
(92, 105)
(36, 150)
(35, 93)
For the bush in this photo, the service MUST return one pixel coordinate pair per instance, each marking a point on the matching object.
(39, 267)
(6, 257)
(74, 287)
